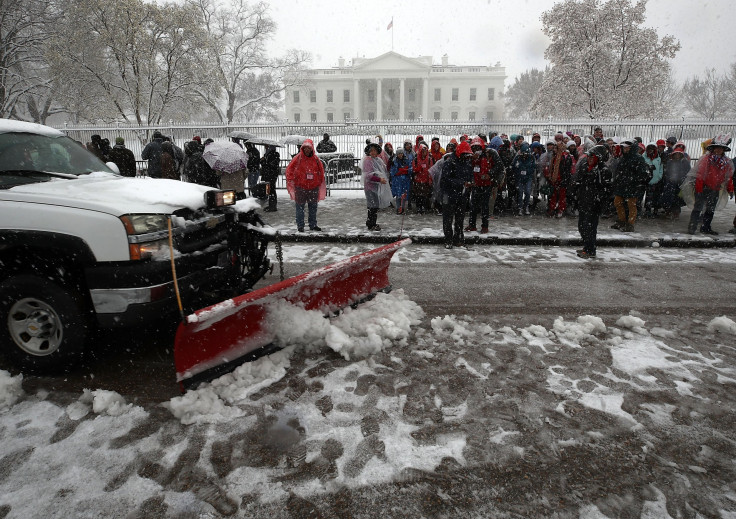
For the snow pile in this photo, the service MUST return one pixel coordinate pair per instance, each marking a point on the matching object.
(631, 322)
(99, 401)
(384, 321)
(722, 325)
(11, 389)
(374, 326)
(585, 327)
(458, 329)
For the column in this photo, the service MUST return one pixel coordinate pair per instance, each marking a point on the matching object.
(356, 99)
(379, 100)
(401, 100)
(425, 99)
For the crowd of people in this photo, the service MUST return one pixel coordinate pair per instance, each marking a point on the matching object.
(585, 176)
(480, 178)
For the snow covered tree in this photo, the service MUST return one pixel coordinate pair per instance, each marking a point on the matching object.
(711, 96)
(520, 96)
(603, 62)
(24, 83)
(246, 84)
(132, 60)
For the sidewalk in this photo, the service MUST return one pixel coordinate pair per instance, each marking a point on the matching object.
(342, 219)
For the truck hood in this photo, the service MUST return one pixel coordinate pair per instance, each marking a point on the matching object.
(112, 194)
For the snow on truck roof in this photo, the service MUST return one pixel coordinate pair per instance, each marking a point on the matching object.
(9, 125)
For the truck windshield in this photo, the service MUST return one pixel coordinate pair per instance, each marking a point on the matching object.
(29, 157)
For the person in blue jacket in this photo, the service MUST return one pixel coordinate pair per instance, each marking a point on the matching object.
(401, 173)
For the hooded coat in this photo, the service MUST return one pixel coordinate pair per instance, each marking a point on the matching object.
(306, 173)
(456, 174)
(632, 175)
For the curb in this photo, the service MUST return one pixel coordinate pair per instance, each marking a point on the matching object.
(541, 241)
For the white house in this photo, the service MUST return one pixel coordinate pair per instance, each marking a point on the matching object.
(396, 87)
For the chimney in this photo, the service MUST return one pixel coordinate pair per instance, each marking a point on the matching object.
(444, 60)
(341, 62)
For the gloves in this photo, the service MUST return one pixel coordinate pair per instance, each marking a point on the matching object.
(699, 185)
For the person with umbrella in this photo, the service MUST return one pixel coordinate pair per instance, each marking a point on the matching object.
(305, 182)
(228, 160)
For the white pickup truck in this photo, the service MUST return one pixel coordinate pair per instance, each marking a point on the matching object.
(83, 248)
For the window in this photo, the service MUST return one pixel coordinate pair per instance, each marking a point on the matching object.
(471, 116)
(330, 117)
(455, 94)
(438, 94)
(296, 96)
(436, 116)
(411, 116)
(346, 96)
(391, 94)
(312, 96)
(454, 116)
(297, 118)
(491, 94)
(371, 96)
(473, 93)
(329, 96)
(346, 115)
(371, 116)
(412, 94)
(313, 117)
(489, 116)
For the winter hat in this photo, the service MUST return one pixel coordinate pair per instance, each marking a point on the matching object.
(197, 138)
(642, 147)
(373, 145)
(671, 139)
(559, 137)
(435, 139)
(661, 142)
(496, 143)
(463, 148)
(601, 151)
(534, 145)
(536, 136)
(477, 141)
(158, 135)
(119, 140)
(524, 147)
(550, 141)
(722, 141)
(627, 142)
(680, 146)
(514, 137)
(572, 143)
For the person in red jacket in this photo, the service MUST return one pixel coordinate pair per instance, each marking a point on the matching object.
(481, 193)
(305, 182)
(421, 187)
(713, 174)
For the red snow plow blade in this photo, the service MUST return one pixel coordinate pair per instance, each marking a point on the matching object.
(215, 340)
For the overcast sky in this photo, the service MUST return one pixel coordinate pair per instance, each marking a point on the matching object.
(483, 32)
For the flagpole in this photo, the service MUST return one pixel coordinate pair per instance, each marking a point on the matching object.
(392, 34)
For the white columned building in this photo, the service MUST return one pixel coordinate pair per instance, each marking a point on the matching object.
(395, 87)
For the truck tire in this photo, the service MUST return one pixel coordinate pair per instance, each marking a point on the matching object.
(43, 326)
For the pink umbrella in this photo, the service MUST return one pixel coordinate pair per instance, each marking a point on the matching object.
(225, 156)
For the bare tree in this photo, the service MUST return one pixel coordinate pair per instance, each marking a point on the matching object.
(23, 32)
(520, 96)
(246, 84)
(709, 97)
(604, 63)
(132, 60)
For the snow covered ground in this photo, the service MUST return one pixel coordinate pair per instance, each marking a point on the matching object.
(388, 411)
(384, 411)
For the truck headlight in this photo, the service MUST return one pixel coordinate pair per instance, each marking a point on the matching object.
(214, 198)
(144, 223)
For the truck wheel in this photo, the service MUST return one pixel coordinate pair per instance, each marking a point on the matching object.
(43, 327)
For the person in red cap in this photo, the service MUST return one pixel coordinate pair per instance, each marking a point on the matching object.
(455, 185)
